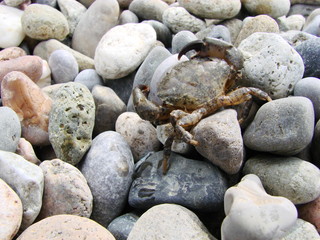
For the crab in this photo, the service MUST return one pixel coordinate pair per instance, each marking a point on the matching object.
(200, 87)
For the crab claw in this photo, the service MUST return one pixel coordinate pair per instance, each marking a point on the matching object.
(196, 45)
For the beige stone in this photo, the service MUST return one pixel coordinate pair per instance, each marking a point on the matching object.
(66, 227)
(11, 53)
(32, 106)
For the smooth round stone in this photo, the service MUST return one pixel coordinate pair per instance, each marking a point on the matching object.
(213, 9)
(73, 11)
(169, 221)
(148, 9)
(45, 48)
(123, 48)
(295, 38)
(103, 15)
(284, 126)
(293, 22)
(10, 212)
(10, 129)
(301, 230)
(32, 106)
(280, 177)
(108, 168)
(89, 78)
(203, 191)
(10, 29)
(43, 22)
(234, 26)
(71, 122)
(261, 23)
(303, 9)
(164, 34)
(310, 87)
(179, 19)
(311, 212)
(26, 179)
(312, 23)
(66, 227)
(309, 51)
(63, 65)
(251, 213)
(181, 39)
(11, 53)
(140, 134)
(65, 190)
(127, 16)
(270, 64)
(121, 226)
(220, 140)
(149, 65)
(273, 8)
(26, 150)
(108, 108)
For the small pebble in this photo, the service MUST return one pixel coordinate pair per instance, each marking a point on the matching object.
(89, 78)
(273, 8)
(11, 53)
(311, 212)
(26, 151)
(164, 34)
(181, 39)
(301, 230)
(121, 226)
(148, 9)
(127, 16)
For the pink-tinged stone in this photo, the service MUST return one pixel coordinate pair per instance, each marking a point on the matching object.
(311, 213)
(26, 151)
(66, 227)
(10, 212)
(11, 53)
(29, 65)
(32, 106)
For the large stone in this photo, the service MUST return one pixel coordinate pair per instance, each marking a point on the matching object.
(71, 122)
(273, 8)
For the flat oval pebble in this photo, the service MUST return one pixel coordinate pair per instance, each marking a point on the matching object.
(108, 168)
(103, 15)
(26, 179)
(71, 122)
(312, 23)
(10, 129)
(293, 22)
(295, 38)
(31, 105)
(10, 212)
(252, 214)
(270, 64)
(66, 227)
(65, 190)
(203, 191)
(11, 30)
(290, 177)
(148, 9)
(127, 16)
(164, 35)
(169, 221)
(89, 77)
(273, 8)
(123, 48)
(140, 134)
(43, 22)
(284, 126)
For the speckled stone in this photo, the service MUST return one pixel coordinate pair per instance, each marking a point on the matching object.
(273, 8)
(148, 9)
(280, 177)
(11, 53)
(25, 150)
(127, 16)
(71, 122)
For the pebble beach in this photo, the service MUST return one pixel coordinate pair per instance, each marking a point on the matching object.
(78, 161)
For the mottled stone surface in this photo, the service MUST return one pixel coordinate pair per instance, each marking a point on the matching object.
(89, 77)
(25, 150)
(121, 226)
(71, 122)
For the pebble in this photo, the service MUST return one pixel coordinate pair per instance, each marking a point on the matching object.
(220, 140)
(45, 48)
(121, 226)
(86, 3)
(309, 51)
(123, 48)
(269, 217)
(11, 211)
(284, 126)
(127, 16)
(310, 87)
(25, 150)
(270, 64)
(42, 22)
(32, 106)
(169, 221)
(66, 227)
(273, 8)
(295, 38)
(260, 23)
(65, 190)
(301, 230)
(108, 108)
(212, 9)
(10, 129)
(89, 78)
(181, 39)
(148, 9)
(293, 22)
(312, 23)
(11, 53)
(71, 122)
(103, 15)
(10, 28)
(178, 19)
(289, 177)
(311, 212)
(164, 34)
(108, 168)
(197, 185)
(26, 179)
(64, 67)
(316, 145)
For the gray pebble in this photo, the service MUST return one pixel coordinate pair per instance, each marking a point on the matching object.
(164, 34)
(128, 17)
(295, 38)
(89, 78)
(181, 39)
(284, 126)
(121, 226)
(148, 9)
(10, 129)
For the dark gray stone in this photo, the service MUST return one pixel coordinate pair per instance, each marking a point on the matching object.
(194, 184)
(164, 34)
(121, 226)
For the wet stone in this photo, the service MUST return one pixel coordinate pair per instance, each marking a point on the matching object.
(164, 34)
